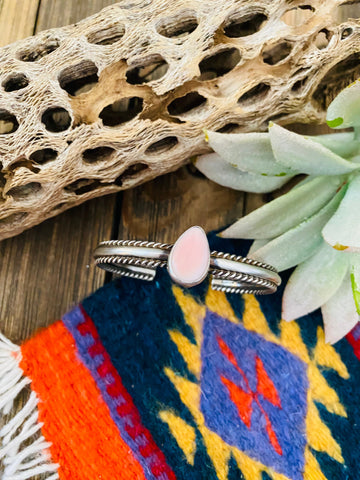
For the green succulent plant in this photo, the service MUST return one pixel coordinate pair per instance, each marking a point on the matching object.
(315, 227)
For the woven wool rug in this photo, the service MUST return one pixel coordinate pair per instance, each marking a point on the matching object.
(153, 381)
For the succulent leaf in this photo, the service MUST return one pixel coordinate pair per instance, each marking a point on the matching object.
(221, 172)
(302, 154)
(339, 313)
(344, 110)
(342, 231)
(250, 152)
(287, 211)
(314, 282)
(298, 243)
(257, 244)
(343, 144)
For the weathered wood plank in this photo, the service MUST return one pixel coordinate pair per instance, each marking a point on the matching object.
(56, 13)
(48, 269)
(45, 270)
(17, 19)
(162, 209)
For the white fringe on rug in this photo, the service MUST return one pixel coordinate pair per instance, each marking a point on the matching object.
(24, 452)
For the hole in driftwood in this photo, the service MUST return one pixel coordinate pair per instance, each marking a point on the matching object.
(23, 191)
(39, 51)
(43, 156)
(108, 35)
(242, 26)
(298, 15)
(79, 78)
(335, 80)
(56, 119)
(219, 63)
(346, 33)
(131, 172)
(228, 128)
(14, 82)
(8, 122)
(14, 218)
(255, 94)
(184, 104)
(83, 185)
(322, 39)
(276, 53)
(299, 85)
(179, 26)
(25, 163)
(151, 69)
(162, 145)
(92, 155)
(58, 206)
(121, 111)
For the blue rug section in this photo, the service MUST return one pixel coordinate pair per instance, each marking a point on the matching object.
(133, 319)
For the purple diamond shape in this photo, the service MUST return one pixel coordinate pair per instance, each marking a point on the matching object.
(286, 372)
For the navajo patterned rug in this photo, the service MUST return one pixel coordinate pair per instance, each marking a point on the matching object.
(150, 381)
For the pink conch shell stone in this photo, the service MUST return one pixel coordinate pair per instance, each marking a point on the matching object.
(189, 258)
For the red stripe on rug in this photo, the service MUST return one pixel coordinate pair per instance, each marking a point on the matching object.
(153, 459)
(85, 440)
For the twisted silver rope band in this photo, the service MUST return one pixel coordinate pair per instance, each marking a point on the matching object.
(135, 243)
(141, 262)
(116, 271)
(241, 291)
(243, 277)
(239, 258)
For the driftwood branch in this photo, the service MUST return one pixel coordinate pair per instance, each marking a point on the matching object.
(123, 96)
